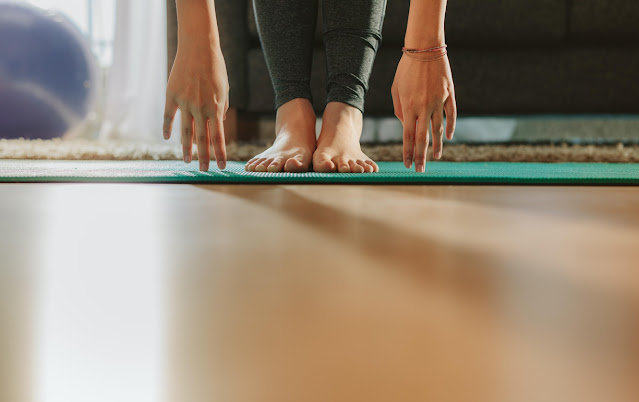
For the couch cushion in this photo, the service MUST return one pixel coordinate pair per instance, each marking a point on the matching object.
(503, 21)
(473, 21)
(601, 20)
(584, 80)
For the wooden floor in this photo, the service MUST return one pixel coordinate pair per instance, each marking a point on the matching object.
(318, 293)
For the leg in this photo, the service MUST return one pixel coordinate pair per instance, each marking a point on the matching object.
(352, 34)
(286, 29)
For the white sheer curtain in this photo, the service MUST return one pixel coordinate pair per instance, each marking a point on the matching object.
(136, 82)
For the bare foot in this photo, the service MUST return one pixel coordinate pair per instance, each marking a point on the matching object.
(338, 148)
(294, 143)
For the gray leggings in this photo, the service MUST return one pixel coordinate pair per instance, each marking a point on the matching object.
(352, 33)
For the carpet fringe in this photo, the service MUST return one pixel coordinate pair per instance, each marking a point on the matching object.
(80, 149)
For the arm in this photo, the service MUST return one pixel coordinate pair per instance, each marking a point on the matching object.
(423, 90)
(198, 83)
(425, 26)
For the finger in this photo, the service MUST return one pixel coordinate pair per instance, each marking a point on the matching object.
(169, 115)
(397, 105)
(450, 106)
(187, 135)
(202, 135)
(219, 144)
(438, 132)
(421, 141)
(409, 139)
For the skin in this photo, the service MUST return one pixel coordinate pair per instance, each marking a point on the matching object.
(294, 143)
(198, 84)
(338, 148)
(422, 92)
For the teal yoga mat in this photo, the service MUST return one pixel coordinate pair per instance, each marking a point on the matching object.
(16, 171)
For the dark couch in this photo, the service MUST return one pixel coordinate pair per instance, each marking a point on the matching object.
(507, 56)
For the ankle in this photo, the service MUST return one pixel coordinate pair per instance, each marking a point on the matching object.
(342, 121)
(296, 108)
(339, 114)
(296, 121)
(344, 110)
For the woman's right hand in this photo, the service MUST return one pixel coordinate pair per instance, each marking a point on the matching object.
(198, 85)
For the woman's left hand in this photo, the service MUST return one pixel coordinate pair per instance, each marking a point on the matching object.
(422, 91)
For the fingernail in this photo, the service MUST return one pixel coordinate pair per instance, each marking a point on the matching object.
(221, 165)
(419, 168)
(438, 154)
(407, 163)
(204, 166)
(166, 135)
(187, 158)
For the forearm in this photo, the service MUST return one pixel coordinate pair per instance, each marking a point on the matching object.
(425, 26)
(197, 22)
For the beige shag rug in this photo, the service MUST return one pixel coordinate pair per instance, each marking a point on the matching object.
(78, 149)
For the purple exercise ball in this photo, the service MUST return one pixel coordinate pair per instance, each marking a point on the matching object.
(48, 75)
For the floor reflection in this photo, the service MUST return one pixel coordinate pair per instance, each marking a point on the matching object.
(100, 326)
(16, 333)
(277, 294)
(291, 333)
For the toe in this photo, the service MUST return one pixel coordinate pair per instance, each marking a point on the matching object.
(246, 167)
(367, 168)
(251, 166)
(263, 165)
(323, 164)
(374, 165)
(343, 166)
(295, 165)
(275, 166)
(355, 167)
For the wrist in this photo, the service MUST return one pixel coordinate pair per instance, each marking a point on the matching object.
(424, 41)
(198, 40)
(197, 24)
